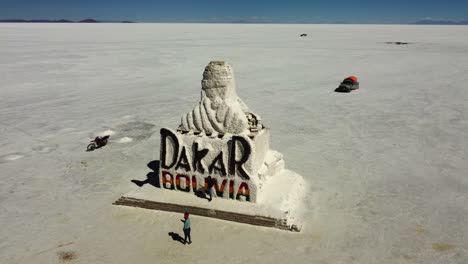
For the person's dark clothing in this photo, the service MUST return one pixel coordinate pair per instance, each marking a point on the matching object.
(187, 235)
(210, 183)
(98, 140)
(101, 141)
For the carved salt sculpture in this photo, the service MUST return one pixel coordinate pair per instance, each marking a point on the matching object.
(220, 138)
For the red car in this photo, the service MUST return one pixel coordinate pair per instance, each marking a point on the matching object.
(348, 84)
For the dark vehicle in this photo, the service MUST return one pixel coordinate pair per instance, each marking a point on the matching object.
(303, 35)
(98, 142)
(348, 84)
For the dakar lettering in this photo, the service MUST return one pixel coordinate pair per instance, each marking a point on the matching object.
(179, 159)
(217, 165)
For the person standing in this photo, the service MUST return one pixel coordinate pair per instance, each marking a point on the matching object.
(210, 183)
(186, 228)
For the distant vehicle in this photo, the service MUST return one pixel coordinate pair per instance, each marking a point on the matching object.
(98, 142)
(348, 84)
(397, 43)
(304, 35)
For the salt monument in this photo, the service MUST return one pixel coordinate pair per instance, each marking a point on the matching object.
(222, 138)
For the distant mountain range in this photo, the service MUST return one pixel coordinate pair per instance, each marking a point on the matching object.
(440, 22)
(89, 20)
(236, 21)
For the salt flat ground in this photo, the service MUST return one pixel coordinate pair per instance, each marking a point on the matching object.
(386, 164)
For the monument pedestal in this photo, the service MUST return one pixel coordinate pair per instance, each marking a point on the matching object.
(275, 210)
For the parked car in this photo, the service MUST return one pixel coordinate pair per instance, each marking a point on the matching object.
(348, 84)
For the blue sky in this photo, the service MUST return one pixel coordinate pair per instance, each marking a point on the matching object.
(275, 11)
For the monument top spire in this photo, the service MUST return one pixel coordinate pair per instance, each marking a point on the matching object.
(220, 110)
(218, 74)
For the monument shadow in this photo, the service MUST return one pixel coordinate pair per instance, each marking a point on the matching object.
(152, 177)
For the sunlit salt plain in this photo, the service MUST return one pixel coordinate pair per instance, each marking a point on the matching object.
(386, 165)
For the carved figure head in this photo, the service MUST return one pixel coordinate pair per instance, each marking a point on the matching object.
(218, 81)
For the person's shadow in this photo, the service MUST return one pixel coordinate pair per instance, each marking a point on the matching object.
(201, 193)
(176, 237)
(152, 177)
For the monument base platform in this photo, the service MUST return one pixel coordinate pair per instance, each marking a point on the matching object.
(207, 212)
(269, 213)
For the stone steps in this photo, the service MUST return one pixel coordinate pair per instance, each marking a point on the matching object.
(218, 214)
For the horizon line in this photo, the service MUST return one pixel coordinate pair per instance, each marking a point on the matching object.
(97, 21)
